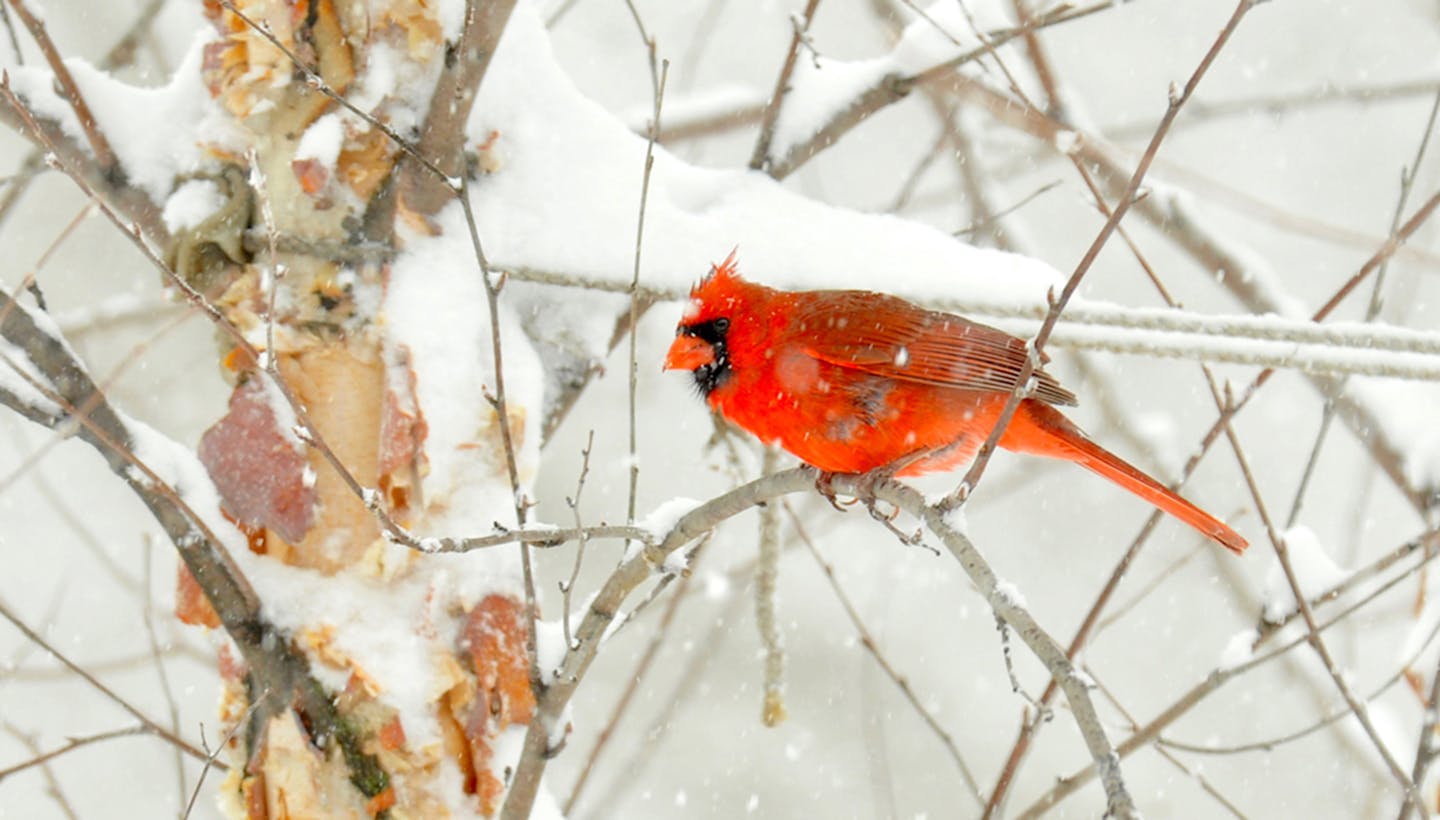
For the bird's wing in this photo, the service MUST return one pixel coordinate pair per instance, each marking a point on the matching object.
(887, 336)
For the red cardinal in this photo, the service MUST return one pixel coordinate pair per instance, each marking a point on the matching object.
(853, 381)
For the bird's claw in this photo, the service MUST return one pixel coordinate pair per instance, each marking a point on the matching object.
(824, 484)
(865, 489)
(909, 539)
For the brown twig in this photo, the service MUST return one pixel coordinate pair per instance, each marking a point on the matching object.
(894, 87)
(1425, 750)
(146, 723)
(636, 677)
(1200, 779)
(680, 128)
(1270, 744)
(760, 159)
(210, 760)
(767, 578)
(11, 35)
(427, 187)
(46, 770)
(105, 158)
(1282, 552)
(567, 588)
(1182, 705)
(1372, 311)
(687, 685)
(872, 647)
(147, 616)
(72, 744)
(1127, 198)
(658, 76)
(1202, 110)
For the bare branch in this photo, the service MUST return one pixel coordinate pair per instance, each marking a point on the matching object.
(71, 745)
(105, 159)
(1127, 198)
(1282, 552)
(1182, 705)
(426, 189)
(767, 572)
(604, 608)
(637, 676)
(868, 641)
(760, 159)
(146, 723)
(893, 88)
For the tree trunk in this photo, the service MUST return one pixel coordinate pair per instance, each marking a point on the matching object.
(314, 182)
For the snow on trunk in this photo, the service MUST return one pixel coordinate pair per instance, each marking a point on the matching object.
(389, 362)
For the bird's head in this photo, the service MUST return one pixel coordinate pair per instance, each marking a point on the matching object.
(700, 344)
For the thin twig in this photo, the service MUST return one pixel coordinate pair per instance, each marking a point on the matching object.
(1200, 779)
(767, 572)
(148, 725)
(893, 88)
(46, 770)
(522, 791)
(1182, 705)
(636, 677)
(637, 568)
(148, 617)
(1281, 104)
(1271, 744)
(1282, 552)
(1127, 198)
(210, 759)
(105, 158)
(686, 686)
(1425, 746)
(658, 75)
(71, 745)
(760, 158)
(317, 82)
(1372, 311)
(867, 640)
(11, 36)
(567, 588)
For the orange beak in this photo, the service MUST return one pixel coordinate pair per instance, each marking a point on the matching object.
(689, 352)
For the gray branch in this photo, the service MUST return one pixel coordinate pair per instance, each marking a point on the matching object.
(605, 608)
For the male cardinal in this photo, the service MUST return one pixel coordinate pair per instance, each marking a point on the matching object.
(853, 381)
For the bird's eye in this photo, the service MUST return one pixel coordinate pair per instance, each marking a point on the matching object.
(722, 324)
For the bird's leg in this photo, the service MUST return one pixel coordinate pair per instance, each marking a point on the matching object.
(866, 484)
(867, 481)
(824, 486)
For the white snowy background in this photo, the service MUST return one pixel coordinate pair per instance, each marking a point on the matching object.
(1302, 189)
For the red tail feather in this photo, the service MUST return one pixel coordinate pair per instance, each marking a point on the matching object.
(1041, 430)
